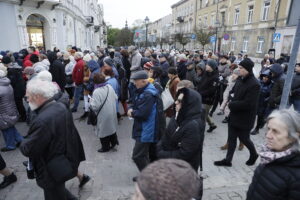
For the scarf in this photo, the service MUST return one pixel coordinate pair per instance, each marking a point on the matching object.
(99, 85)
(267, 155)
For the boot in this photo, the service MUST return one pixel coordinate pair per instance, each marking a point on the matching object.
(211, 128)
(84, 116)
(225, 147)
(225, 120)
(223, 163)
(105, 145)
(252, 159)
(241, 146)
(7, 180)
(114, 141)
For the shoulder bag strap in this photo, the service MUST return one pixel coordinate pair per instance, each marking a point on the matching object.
(103, 102)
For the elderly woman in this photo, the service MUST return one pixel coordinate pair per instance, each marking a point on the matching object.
(103, 103)
(278, 175)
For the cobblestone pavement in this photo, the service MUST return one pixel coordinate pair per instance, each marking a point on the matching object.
(112, 172)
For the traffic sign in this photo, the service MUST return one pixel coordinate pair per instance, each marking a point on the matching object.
(193, 36)
(276, 37)
(212, 39)
(226, 36)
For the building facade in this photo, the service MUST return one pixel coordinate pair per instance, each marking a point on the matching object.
(52, 23)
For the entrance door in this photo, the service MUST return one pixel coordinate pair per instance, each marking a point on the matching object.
(35, 29)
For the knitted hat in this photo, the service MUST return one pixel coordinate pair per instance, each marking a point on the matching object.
(6, 60)
(29, 70)
(139, 75)
(213, 64)
(169, 179)
(247, 64)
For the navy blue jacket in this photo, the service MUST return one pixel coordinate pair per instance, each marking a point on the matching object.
(145, 114)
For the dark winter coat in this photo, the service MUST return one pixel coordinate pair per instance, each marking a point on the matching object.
(144, 114)
(15, 75)
(181, 69)
(244, 102)
(264, 95)
(208, 86)
(184, 136)
(8, 110)
(57, 69)
(52, 133)
(164, 77)
(277, 89)
(127, 66)
(295, 89)
(278, 180)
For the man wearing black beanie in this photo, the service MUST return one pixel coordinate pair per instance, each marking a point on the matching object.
(243, 107)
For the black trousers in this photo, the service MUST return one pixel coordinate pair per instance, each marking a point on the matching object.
(140, 154)
(2, 163)
(109, 141)
(260, 121)
(59, 192)
(21, 108)
(70, 91)
(244, 136)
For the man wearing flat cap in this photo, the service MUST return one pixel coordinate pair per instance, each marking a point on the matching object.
(243, 108)
(144, 113)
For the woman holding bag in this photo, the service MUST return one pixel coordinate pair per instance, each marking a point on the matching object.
(103, 103)
(172, 87)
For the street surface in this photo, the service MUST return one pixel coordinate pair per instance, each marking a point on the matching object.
(112, 172)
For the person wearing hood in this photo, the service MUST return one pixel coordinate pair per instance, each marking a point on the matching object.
(266, 85)
(277, 176)
(145, 129)
(8, 115)
(164, 65)
(77, 76)
(15, 75)
(195, 73)
(278, 77)
(295, 89)
(182, 66)
(182, 139)
(207, 89)
(57, 69)
(243, 108)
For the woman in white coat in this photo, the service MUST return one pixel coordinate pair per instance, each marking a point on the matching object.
(104, 98)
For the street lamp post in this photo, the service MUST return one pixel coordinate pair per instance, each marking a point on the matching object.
(146, 23)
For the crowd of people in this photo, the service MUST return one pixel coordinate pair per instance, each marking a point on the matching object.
(169, 95)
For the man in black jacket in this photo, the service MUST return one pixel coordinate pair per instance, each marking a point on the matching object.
(52, 135)
(57, 70)
(243, 109)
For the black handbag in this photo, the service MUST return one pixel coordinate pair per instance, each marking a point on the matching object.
(92, 117)
(60, 169)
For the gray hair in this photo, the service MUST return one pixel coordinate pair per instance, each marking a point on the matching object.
(291, 119)
(44, 76)
(45, 89)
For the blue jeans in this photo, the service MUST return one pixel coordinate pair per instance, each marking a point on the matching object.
(296, 104)
(77, 94)
(11, 137)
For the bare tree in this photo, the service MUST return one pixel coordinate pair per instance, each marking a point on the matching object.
(203, 37)
(182, 39)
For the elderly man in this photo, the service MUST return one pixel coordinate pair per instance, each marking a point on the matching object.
(53, 144)
(144, 113)
(135, 61)
(243, 108)
(78, 75)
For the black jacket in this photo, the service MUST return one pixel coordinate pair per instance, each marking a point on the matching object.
(181, 69)
(295, 89)
(277, 88)
(278, 180)
(208, 86)
(52, 133)
(184, 136)
(14, 73)
(244, 102)
(57, 70)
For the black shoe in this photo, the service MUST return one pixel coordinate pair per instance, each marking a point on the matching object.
(223, 162)
(84, 116)
(252, 160)
(254, 132)
(225, 120)
(84, 180)
(134, 179)
(18, 144)
(5, 149)
(103, 150)
(115, 144)
(211, 128)
(25, 163)
(7, 180)
(73, 110)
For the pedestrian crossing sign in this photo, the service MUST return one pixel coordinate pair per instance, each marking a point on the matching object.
(276, 37)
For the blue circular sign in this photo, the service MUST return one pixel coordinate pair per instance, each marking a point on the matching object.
(226, 36)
